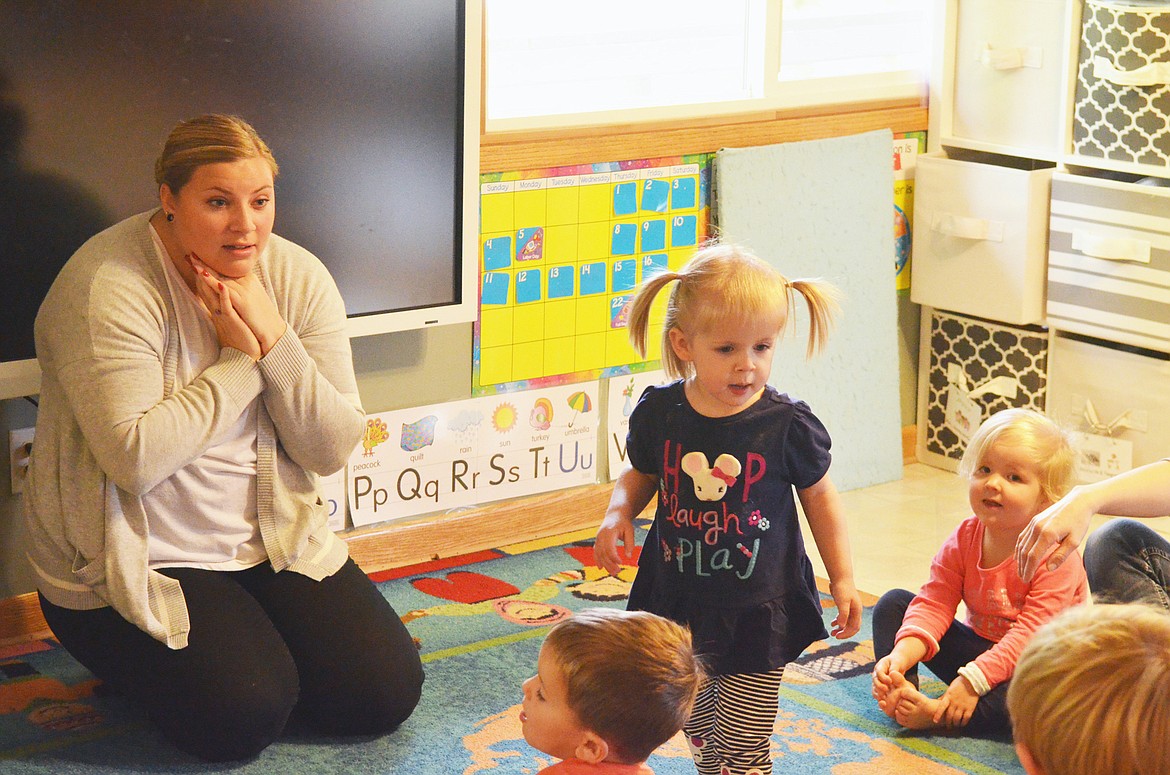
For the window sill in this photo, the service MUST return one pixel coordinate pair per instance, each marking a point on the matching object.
(530, 149)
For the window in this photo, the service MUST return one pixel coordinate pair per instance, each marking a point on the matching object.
(839, 49)
(829, 38)
(565, 63)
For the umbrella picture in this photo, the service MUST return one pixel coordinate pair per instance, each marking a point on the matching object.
(579, 402)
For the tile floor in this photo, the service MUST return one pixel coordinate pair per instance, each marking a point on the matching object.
(895, 528)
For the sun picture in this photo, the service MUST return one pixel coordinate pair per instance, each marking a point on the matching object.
(504, 417)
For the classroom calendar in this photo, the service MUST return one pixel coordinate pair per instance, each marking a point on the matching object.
(562, 252)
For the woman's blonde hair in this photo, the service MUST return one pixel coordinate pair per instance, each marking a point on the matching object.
(208, 139)
(725, 281)
(1046, 443)
(1091, 692)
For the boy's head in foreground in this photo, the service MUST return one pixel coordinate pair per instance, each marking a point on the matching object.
(611, 685)
(1091, 693)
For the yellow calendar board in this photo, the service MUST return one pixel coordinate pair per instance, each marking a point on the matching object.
(562, 252)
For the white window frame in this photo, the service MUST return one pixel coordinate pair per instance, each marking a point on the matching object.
(777, 94)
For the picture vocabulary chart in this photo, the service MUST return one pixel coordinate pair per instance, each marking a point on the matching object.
(464, 453)
(624, 392)
(333, 488)
(562, 252)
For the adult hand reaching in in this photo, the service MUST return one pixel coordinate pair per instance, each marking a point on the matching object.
(1063, 525)
(1142, 492)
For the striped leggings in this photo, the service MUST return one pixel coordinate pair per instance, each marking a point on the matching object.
(730, 728)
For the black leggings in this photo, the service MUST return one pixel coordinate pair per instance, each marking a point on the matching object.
(262, 644)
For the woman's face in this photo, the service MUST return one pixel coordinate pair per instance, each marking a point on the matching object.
(224, 214)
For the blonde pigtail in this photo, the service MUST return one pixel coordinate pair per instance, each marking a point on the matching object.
(823, 307)
(638, 323)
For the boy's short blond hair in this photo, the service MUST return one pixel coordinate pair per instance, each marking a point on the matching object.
(631, 676)
(1091, 692)
(1049, 445)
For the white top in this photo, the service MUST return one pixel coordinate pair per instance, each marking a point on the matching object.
(204, 515)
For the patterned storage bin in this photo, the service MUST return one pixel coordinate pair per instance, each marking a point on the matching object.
(969, 369)
(1122, 101)
(1115, 397)
(1109, 260)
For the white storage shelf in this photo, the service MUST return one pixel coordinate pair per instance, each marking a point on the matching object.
(1084, 86)
(1018, 77)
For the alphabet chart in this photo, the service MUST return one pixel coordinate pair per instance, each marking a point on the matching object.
(562, 252)
(333, 488)
(464, 453)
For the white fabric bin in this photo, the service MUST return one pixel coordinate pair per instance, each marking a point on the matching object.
(1009, 63)
(980, 239)
(1115, 397)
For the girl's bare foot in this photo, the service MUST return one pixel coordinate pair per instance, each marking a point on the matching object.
(915, 710)
(889, 701)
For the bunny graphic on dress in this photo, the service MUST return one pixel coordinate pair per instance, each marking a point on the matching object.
(711, 482)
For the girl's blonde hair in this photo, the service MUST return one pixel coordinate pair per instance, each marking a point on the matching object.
(1048, 445)
(725, 281)
(208, 139)
(1091, 692)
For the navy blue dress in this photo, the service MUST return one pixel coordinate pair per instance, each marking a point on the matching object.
(725, 555)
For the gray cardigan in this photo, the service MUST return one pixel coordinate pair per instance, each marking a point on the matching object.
(112, 425)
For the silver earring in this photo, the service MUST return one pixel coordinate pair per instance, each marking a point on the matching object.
(170, 217)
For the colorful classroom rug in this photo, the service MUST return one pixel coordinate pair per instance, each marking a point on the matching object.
(480, 619)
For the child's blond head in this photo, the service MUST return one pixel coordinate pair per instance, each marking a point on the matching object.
(1046, 443)
(631, 676)
(726, 282)
(1091, 692)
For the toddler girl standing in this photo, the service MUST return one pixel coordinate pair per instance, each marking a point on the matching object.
(724, 451)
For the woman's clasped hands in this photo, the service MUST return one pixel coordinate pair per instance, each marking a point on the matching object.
(240, 309)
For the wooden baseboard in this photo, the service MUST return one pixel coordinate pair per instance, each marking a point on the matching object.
(21, 620)
(909, 444)
(484, 527)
